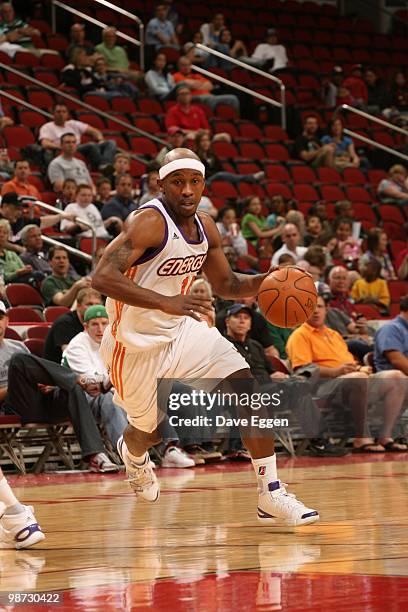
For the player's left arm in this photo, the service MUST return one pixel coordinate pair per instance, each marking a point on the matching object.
(224, 281)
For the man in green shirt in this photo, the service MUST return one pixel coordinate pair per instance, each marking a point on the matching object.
(61, 289)
(116, 56)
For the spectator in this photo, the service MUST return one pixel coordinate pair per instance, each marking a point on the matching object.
(103, 192)
(372, 289)
(67, 166)
(320, 209)
(210, 32)
(348, 248)
(316, 258)
(111, 84)
(68, 192)
(314, 229)
(12, 269)
(20, 183)
(394, 189)
(213, 166)
(277, 208)
(176, 140)
(33, 254)
(6, 165)
(230, 231)
(331, 85)
(291, 240)
(296, 217)
(69, 325)
(80, 75)
(4, 121)
(196, 56)
(308, 146)
(270, 54)
(345, 155)
(377, 242)
(206, 205)
(314, 343)
(61, 289)
(153, 189)
(329, 243)
(253, 224)
(343, 208)
(339, 284)
(121, 165)
(401, 265)
(99, 153)
(355, 86)
(115, 55)
(121, 204)
(43, 392)
(201, 88)
(399, 95)
(391, 342)
(379, 97)
(82, 356)
(186, 116)
(160, 31)
(203, 288)
(15, 33)
(236, 49)
(159, 81)
(77, 37)
(83, 209)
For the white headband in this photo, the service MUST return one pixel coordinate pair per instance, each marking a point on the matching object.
(186, 163)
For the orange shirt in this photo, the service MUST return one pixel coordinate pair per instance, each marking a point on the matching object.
(324, 347)
(178, 78)
(21, 189)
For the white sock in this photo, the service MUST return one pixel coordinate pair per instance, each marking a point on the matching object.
(134, 458)
(9, 503)
(265, 470)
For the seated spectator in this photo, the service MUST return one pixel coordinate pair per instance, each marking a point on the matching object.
(320, 209)
(345, 155)
(379, 96)
(176, 139)
(200, 87)
(196, 56)
(308, 146)
(355, 87)
(372, 289)
(67, 166)
(69, 324)
(210, 32)
(110, 84)
(121, 165)
(213, 166)
(160, 31)
(159, 81)
(203, 288)
(231, 235)
(43, 392)
(77, 38)
(115, 55)
(398, 112)
(377, 243)
(277, 210)
(331, 85)
(296, 217)
(291, 239)
(329, 243)
(68, 192)
(394, 189)
(314, 229)
(153, 189)
(253, 223)
(20, 183)
(6, 165)
(314, 343)
(316, 258)
(270, 54)
(344, 208)
(186, 116)
(15, 33)
(12, 269)
(391, 342)
(84, 209)
(80, 74)
(82, 356)
(121, 204)
(206, 205)
(348, 249)
(61, 289)
(33, 254)
(99, 153)
(339, 285)
(4, 121)
(227, 46)
(103, 192)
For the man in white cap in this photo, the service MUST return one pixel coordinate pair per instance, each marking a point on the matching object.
(156, 330)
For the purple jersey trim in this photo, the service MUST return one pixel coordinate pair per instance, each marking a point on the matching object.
(200, 229)
(152, 253)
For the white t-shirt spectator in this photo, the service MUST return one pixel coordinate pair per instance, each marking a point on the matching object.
(52, 131)
(298, 255)
(61, 169)
(90, 214)
(264, 52)
(82, 356)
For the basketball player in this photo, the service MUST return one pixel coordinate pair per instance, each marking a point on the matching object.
(156, 332)
(18, 525)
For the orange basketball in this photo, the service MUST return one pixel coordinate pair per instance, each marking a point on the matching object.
(287, 297)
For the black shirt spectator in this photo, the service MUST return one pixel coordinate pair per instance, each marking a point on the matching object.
(252, 351)
(122, 204)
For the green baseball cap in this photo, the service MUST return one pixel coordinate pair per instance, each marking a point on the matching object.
(95, 312)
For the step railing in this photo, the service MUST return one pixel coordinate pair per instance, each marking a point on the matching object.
(134, 41)
(370, 141)
(249, 68)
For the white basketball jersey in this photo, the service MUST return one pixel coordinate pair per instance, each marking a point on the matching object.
(169, 269)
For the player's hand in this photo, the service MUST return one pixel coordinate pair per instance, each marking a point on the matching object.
(187, 305)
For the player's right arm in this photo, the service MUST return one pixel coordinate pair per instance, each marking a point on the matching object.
(143, 230)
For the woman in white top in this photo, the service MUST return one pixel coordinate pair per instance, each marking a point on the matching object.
(84, 209)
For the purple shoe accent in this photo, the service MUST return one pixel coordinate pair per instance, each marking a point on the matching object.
(273, 486)
(310, 514)
(263, 514)
(28, 531)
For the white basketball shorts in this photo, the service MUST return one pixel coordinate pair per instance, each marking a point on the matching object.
(198, 353)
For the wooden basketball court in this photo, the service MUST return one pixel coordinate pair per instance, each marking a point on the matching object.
(200, 547)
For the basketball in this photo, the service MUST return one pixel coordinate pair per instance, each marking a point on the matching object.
(287, 297)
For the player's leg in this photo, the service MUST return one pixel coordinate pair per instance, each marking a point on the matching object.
(18, 525)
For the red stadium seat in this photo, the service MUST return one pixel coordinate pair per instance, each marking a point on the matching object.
(97, 102)
(305, 193)
(329, 175)
(38, 331)
(148, 124)
(389, 213)
(247, 167)
(358, 194)
(275, 132)
(250, 130)
(277, 173)
(251, 150)
(396, 246)
(35, 346)
(20, 314)
(276, 152)
(278, 189)
(226, 111)
(143, 146)
(52, 61)
(11, 334)
(31, 119)
(331, 193)
(225, 150)
(52, 313)
(85, 244)
(92, 119)
(303, 174)
(42, 99)
(123, 104)
(220, 126)
(354, 176)
(223, 189)
(363, 211)
(150, 107)
(19, 294)
(18, 136)
(398, 289)
(368, 311)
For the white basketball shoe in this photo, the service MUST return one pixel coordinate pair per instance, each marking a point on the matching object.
(141, 478)
(20, 530)
(276, 506)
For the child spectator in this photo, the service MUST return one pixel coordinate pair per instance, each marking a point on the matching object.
(69, 189)
(103, 192)
(377, 242)
(253, 224)
(372, 289)
(153, 189)
(348, 249)
(344, 154)
(84, 209)
(313, 229)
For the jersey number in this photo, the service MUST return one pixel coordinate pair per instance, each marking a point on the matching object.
(186, 285)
